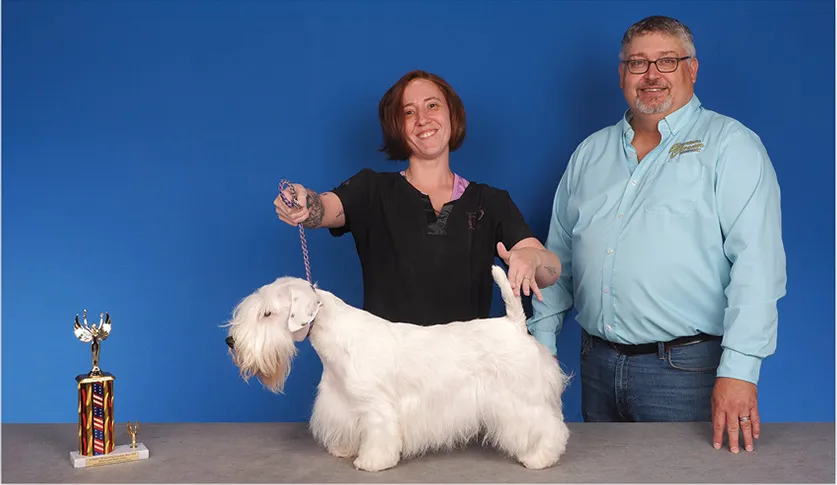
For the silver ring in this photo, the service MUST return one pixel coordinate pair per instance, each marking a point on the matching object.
(744, 419)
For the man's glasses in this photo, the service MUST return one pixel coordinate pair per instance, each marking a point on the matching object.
(664, 64)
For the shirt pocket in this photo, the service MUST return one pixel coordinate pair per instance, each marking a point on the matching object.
(677, 188)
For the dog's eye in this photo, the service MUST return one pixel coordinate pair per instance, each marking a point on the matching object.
(266, 314)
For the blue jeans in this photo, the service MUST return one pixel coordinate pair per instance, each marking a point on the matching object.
(669, 385)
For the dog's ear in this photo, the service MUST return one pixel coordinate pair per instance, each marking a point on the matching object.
(304, 307)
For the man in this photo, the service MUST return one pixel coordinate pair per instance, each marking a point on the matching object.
(668, 226)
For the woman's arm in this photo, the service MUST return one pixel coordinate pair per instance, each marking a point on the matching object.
(317, 210)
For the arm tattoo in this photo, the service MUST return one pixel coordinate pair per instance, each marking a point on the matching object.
(316, 210)
(551, 270)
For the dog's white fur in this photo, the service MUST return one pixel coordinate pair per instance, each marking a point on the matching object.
(396, 390)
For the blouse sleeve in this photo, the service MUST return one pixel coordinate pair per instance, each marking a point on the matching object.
(511, 226)
(355, 193)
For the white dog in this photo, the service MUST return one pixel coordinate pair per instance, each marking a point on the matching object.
(395, 390)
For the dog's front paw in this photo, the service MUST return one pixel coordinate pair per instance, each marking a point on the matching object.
(341, 452)
(538, 460)
(375, 462)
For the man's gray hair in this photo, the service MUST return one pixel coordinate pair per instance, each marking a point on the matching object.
(663, 25)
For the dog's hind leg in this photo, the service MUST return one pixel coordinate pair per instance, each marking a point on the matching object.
(533, 434)
(381, 442)
(549, 437)
(334, 423)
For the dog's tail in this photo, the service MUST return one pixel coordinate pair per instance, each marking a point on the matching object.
(514, 306)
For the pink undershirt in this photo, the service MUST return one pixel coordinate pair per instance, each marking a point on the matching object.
(459, 185)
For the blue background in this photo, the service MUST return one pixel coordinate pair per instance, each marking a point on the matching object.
(143, 143)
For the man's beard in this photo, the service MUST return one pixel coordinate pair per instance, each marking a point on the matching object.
(650, 109)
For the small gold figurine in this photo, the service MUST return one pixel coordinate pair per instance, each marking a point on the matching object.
(133, 433)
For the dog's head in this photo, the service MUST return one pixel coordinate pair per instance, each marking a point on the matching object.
(265, 326)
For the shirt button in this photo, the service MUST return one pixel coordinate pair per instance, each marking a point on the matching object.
(633, 182)
(620, 215)
(609, 251)
(608, 327)
(607, 290)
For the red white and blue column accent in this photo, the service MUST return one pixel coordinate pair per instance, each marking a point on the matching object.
(95, 415)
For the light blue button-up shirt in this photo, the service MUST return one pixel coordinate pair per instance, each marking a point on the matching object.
(687, 241)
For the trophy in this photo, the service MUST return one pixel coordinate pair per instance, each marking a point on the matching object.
(95, 407)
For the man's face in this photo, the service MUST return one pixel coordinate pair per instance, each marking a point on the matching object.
(655, 92)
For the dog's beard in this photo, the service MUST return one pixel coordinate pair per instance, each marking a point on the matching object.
(268, 362)
(275, 382)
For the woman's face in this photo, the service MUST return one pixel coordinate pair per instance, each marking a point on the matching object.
(426, 120)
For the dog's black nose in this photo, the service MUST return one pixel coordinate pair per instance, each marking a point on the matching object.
(231, 342)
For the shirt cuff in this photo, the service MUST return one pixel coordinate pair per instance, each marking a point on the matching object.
(739, 366)
(546, 338)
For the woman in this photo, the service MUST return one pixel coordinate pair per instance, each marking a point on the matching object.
(426, 237)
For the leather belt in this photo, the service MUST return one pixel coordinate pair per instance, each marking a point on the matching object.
(651, 348)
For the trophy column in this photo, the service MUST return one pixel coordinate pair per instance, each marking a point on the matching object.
(95, 414)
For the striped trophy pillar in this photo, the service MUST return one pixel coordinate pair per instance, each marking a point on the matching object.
(95, 414)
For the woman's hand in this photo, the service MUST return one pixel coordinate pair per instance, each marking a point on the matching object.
(531, 266)
(299, 212)
(523, 262)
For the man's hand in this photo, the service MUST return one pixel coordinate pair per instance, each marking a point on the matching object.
(522, 263)
(732, 400)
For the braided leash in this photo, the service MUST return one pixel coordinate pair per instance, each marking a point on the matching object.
(284, 184)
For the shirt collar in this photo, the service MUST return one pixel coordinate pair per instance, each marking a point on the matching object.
(670, 124)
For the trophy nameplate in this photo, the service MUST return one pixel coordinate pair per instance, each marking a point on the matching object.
(96, 444)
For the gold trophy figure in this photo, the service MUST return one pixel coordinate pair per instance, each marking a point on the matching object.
(87, 334)
(133, 433)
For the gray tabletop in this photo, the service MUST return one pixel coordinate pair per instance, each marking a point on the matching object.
(285, 452)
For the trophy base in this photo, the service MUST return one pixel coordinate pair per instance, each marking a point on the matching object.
(120, 454)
